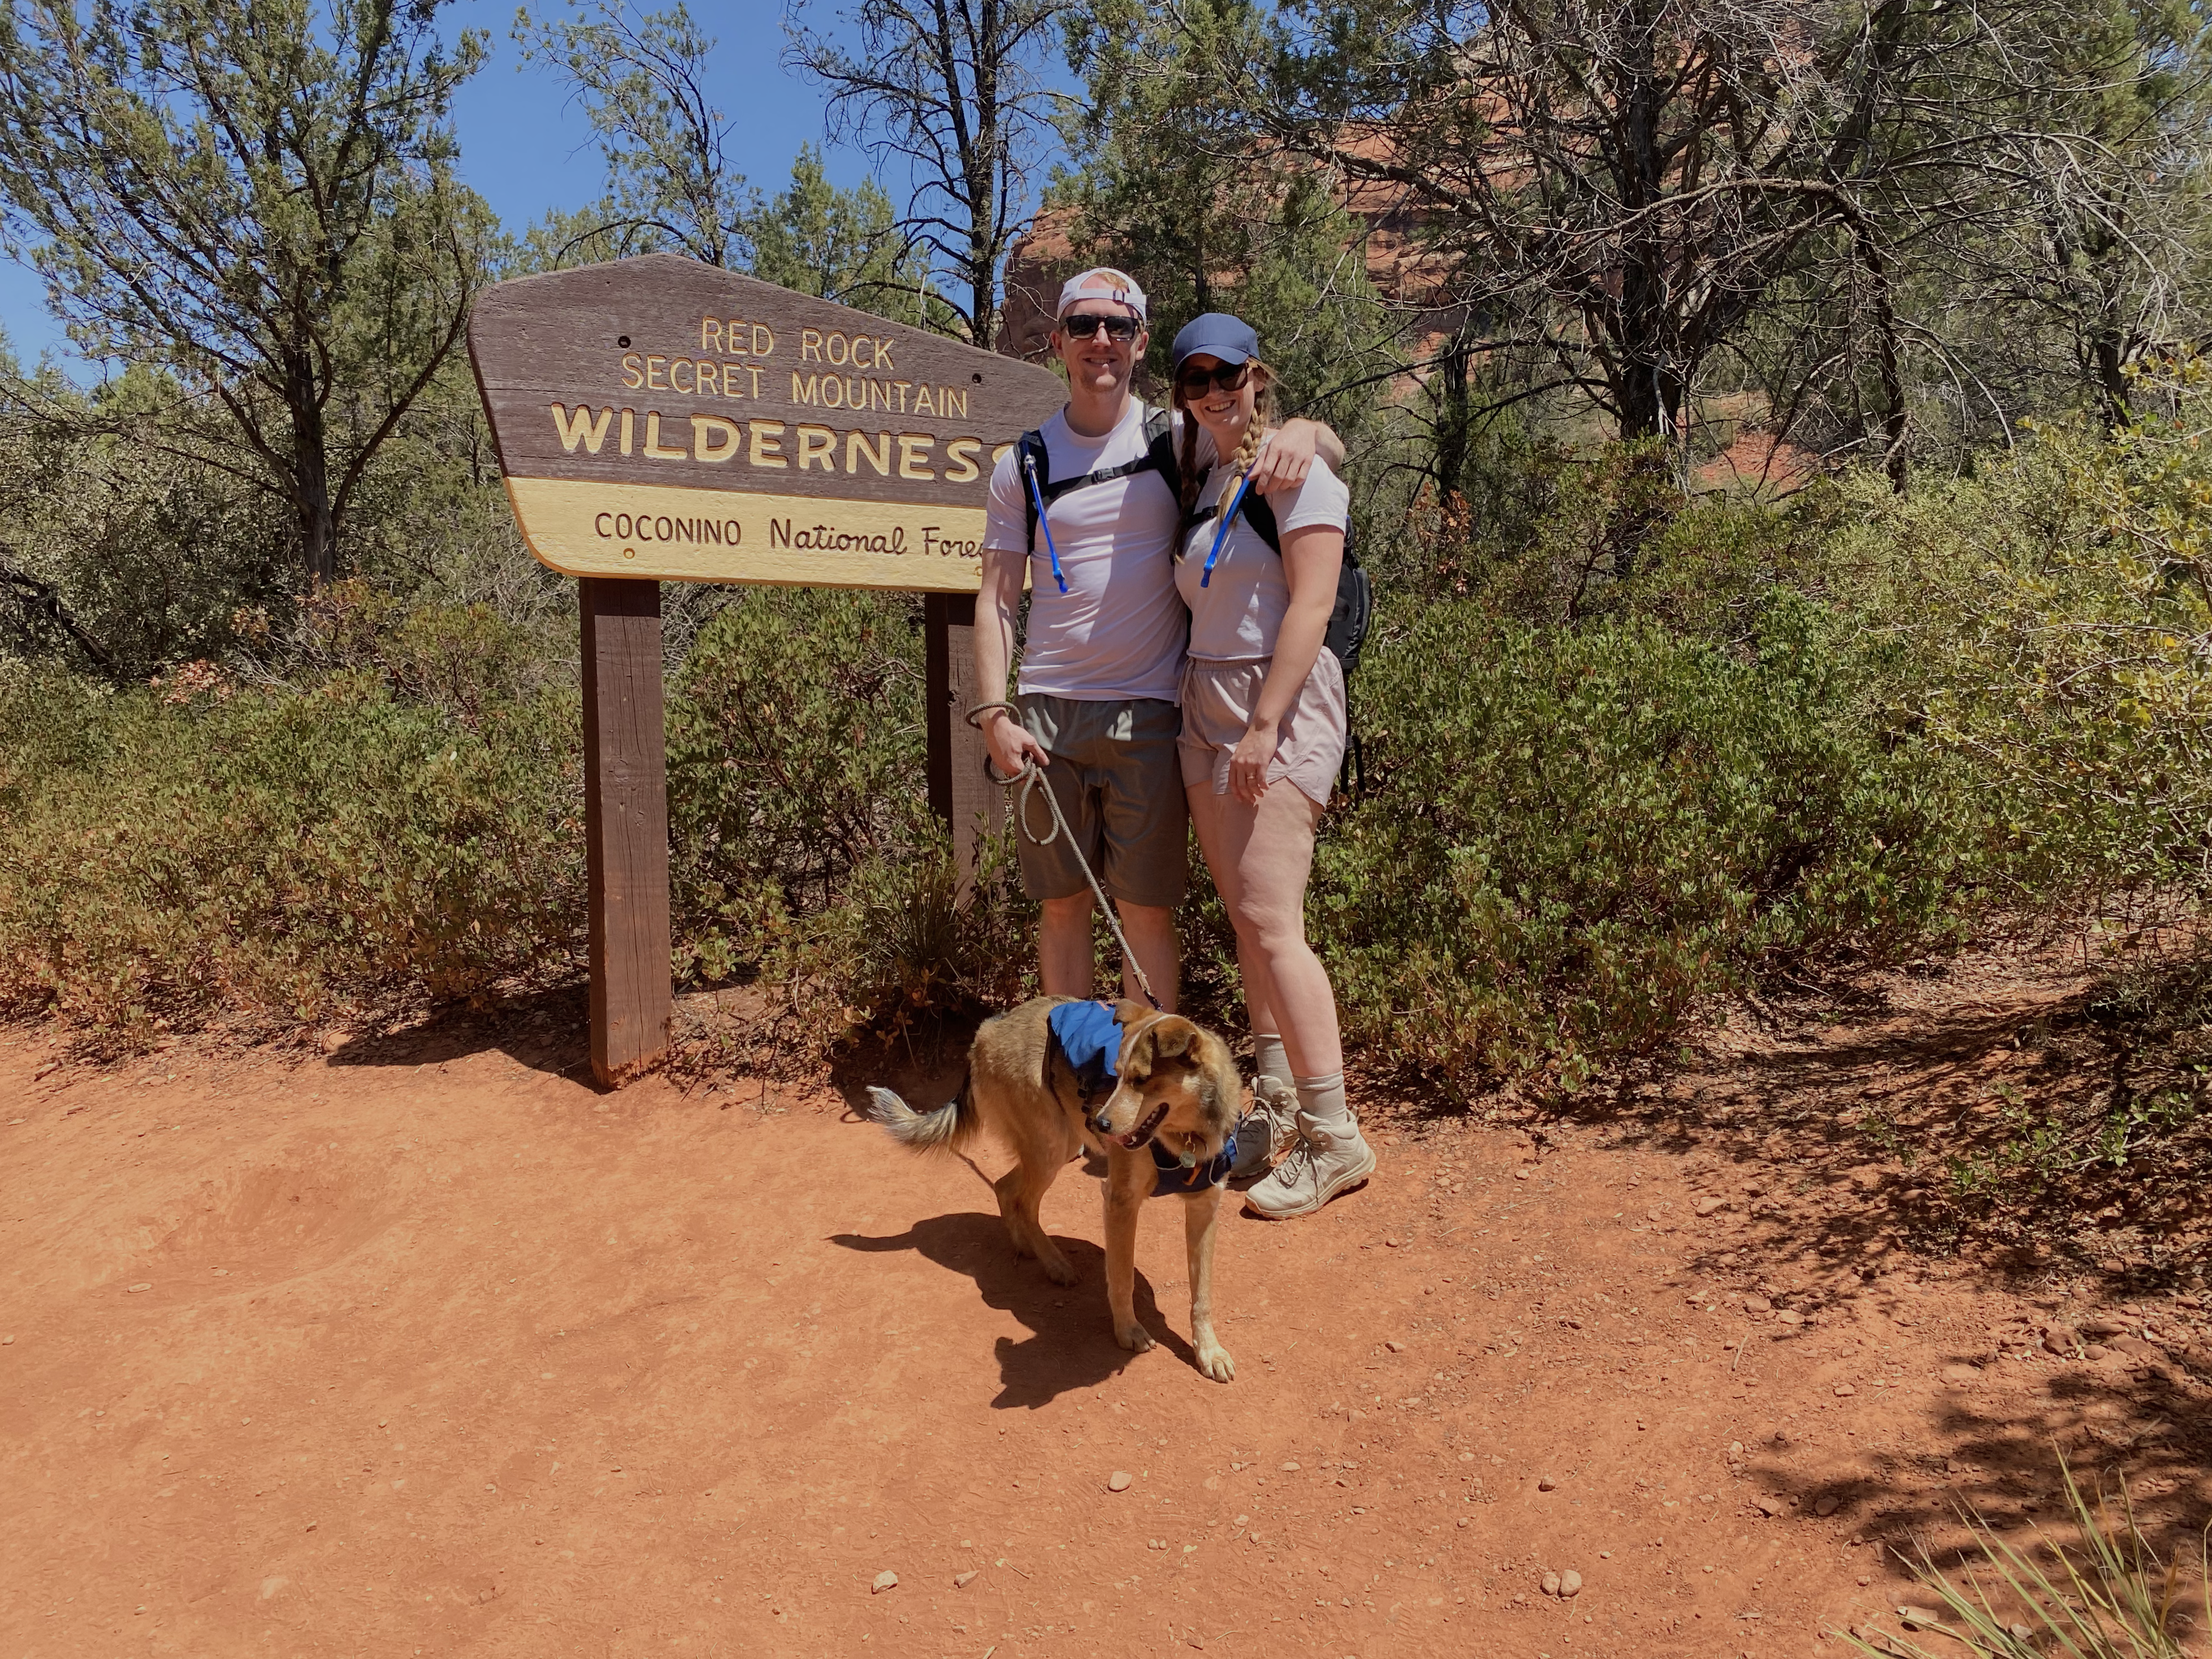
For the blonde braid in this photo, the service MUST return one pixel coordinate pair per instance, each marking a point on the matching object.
(1263, 415)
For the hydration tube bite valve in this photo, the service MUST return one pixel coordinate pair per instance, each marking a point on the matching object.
(1028, 470)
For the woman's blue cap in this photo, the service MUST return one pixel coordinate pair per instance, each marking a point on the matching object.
(1217, 334)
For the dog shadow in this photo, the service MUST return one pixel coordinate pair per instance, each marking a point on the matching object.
(1071, 1343)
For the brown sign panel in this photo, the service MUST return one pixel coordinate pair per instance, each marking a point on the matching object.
(657, 418)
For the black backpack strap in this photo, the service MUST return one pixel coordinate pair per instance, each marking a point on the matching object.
(1261, 518)
(1257, 513)
(1029, 454)
(1160, 450)
(1159, 457)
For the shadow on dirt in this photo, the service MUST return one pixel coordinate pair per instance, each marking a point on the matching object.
(548, 1031)
(2019, 1122)
(1071, 1344)
(2001, 1463)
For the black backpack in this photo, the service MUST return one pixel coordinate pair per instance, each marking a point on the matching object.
(1355, 593)
(1030, 459)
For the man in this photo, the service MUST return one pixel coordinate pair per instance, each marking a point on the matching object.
(1106, 632)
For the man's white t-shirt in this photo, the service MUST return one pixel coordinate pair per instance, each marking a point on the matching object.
(1119, 631)
(1237, 614)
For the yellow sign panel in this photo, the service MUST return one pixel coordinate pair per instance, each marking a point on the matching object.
(719, 536)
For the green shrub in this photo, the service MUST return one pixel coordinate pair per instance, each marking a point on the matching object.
(795, 758)
(1579, 833)
(283, 854)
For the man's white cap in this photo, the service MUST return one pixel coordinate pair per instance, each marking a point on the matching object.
(1101, 283)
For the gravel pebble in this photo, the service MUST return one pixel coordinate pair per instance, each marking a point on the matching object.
(885, 1580)
(1118, 1481)
(1571, 1584)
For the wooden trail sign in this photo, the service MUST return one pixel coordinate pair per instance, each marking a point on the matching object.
(659, 420)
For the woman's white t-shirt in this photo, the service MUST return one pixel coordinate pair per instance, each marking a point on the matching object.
(1118, 631)
(1238, 612)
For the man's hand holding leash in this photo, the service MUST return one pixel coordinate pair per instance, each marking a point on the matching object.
(1012, 746)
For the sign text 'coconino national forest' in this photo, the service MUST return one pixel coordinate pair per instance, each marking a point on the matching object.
(658, 418)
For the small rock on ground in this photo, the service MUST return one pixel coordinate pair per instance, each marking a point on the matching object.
(885, 1580)
(1118, 1481)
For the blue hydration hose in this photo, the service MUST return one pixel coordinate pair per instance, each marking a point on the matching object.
(1028, 470)
(1206, 577)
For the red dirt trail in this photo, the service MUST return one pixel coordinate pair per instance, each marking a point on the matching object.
(429, 1349)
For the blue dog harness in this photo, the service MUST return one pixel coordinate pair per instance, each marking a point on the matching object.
(1089, 1039)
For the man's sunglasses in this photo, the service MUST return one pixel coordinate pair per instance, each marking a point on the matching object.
(1192, 381)
(1083, 326)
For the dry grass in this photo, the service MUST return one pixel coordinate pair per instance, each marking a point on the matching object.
(2107, 1597)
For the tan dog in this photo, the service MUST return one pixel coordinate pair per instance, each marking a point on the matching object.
(1176, 1083)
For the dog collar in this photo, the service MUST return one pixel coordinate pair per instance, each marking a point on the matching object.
(1174, 1178)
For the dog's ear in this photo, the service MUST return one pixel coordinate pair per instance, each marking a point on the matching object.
(1130, 1011)
(1175, 1035)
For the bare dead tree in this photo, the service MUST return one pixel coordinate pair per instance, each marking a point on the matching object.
(953, 90)
(1625, 183)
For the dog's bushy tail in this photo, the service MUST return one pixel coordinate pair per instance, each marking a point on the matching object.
(922, 1131)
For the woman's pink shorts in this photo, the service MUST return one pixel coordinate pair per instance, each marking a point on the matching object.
(1218, 698)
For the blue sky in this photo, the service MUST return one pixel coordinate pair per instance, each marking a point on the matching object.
(524, 149)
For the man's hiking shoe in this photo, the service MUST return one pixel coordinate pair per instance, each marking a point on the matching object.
(1270, 1128)
(1328, 1159)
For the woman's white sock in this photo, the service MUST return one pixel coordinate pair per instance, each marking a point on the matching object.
(1321, 1102)
(1270, 1063)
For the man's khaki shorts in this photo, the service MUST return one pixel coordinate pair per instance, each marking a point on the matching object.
(1120, 787)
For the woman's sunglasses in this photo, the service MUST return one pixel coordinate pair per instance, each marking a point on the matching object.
(1230, 377)
(1085, 324)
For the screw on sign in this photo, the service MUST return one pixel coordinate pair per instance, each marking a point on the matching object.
(659, 420)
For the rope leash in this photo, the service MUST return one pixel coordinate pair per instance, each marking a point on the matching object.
(1027, 780)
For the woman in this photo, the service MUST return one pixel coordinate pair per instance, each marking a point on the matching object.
(1263, 734)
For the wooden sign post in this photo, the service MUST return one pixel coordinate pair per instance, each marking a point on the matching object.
(659, 420)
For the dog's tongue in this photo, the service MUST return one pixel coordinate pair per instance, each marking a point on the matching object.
(1143, 1132)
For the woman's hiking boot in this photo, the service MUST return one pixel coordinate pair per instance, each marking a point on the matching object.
(1269, 1129)
(1329, 1159)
